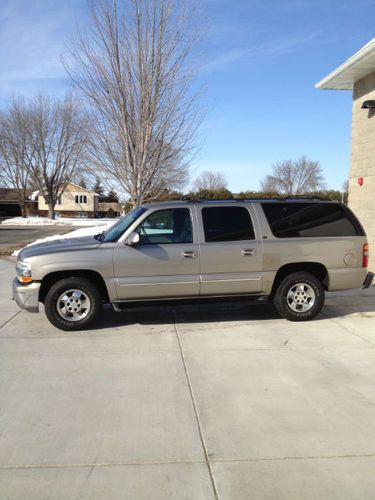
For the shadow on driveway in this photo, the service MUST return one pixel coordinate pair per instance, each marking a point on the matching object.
(196, 313)
(337, 305)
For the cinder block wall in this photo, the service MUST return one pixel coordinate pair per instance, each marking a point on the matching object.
(362, 163)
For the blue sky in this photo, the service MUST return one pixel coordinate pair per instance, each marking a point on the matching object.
(261, 61)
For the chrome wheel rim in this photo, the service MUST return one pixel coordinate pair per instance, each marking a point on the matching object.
(301, 297)
(73, 305)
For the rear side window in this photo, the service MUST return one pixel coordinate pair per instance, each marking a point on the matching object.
(293, 220)
(227, 224)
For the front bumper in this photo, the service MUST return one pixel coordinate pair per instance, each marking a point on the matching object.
(26, 296)
(368, 281)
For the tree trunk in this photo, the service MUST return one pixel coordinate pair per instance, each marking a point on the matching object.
(23, 210)
(51, 211)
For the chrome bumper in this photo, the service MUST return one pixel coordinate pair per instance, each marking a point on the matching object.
(26, 296)
(368, 281)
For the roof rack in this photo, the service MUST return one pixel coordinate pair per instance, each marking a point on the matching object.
(234, 200)
(308, 198)
(244, 200)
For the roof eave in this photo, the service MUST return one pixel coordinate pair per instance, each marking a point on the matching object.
(355, 68)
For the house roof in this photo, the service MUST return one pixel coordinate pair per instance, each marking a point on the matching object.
(361, 64)
(35, 194)
(7, 194)
(80, 187)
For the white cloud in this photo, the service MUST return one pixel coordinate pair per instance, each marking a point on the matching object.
(33, 38)
(268, 50)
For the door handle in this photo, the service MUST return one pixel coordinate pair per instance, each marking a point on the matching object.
(248, 252)
(189, 254)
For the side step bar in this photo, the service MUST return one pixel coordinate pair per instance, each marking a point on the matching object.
(121, 306)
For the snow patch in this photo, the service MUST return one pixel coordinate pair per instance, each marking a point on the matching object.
(37, 221)
(34, 196)
(77, 233)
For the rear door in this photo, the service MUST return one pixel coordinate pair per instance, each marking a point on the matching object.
(231, 252)
(166, 261)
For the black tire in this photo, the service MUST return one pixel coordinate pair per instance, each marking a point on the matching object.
(287, 305)
(89, 294)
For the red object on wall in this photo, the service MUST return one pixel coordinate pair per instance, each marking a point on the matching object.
(360, 181)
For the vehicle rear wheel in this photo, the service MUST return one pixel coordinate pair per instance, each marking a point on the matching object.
(299, 297)
(72, 304)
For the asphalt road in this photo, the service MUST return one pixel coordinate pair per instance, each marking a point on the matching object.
(190, 402)
(18, 236)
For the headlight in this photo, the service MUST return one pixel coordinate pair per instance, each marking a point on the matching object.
(23, 270)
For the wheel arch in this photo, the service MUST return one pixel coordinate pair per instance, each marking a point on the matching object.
(52, 278)
(315, 268)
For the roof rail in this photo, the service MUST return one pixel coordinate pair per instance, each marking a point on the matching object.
(311, 198)
(234, 200)
(239, 200)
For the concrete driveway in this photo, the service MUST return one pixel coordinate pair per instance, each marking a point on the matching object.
(206, 402)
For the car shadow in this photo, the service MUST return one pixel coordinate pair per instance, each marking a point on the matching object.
(354, 302)
(187, 313)
(338, 305)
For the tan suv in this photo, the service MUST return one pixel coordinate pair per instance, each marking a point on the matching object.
(288, 250)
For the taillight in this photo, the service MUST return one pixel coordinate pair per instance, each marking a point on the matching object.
(365, 255)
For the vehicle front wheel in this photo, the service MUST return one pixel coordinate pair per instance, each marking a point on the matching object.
(299, 297)
(72, 304)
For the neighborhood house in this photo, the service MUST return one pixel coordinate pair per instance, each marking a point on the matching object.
(75, 201)
(79, 202)
(9, 206)
(9, 203)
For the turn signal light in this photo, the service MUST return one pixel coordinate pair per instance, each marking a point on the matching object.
(365, 255)
(25, 279)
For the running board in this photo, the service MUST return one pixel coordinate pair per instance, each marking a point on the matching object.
(121, 306)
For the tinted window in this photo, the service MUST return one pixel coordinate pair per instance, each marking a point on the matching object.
(291, 220)
(227, 224)
(166, 226)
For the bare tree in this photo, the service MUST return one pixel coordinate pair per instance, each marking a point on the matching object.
(345, 191)
(14, 147)
(210, 181)
(135, 71)
(294, 177)
(57, 139)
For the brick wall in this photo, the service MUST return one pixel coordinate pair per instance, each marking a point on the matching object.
(362, 162)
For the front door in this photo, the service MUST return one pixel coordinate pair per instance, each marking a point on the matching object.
(232, 253)
(165, 263)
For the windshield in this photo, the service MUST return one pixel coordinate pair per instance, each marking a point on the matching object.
(115, 231)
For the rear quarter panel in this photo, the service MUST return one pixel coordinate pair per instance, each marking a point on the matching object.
(342, 256)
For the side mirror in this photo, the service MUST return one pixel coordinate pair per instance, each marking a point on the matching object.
(133, 239)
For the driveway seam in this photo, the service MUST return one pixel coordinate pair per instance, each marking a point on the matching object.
(280, 459)
(349, 330)
(10, 319)
(90, 465)
(181, 462)
(200, 431)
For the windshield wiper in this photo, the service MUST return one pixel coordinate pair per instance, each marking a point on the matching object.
(99, 236)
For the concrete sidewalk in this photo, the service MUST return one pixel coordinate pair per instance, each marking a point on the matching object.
(189, 403)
